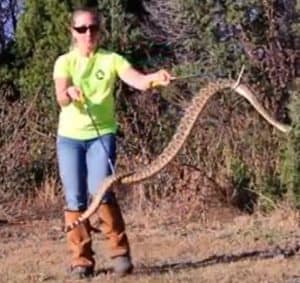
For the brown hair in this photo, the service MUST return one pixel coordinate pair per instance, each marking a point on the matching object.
(91, 10)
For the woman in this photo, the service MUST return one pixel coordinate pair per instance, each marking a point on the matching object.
(85, 146)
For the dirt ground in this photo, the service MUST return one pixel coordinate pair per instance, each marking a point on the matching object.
(244, 248)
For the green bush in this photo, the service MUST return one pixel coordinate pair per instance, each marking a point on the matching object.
(211, 38)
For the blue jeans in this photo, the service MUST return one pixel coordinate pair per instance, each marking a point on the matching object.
(83, 165)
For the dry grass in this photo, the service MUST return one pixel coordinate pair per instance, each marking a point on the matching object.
(219, 247)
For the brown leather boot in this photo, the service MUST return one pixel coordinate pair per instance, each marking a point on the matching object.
(80, 244)
(113, 227)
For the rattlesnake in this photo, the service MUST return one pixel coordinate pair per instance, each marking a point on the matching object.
(185, 126)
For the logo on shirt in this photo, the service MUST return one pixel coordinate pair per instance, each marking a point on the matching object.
(100, 75)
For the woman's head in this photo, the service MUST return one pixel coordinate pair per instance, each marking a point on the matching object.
(85, 29)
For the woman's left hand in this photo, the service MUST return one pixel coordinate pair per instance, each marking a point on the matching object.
(161, 78)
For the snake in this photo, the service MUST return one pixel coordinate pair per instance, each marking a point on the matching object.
(183, 130)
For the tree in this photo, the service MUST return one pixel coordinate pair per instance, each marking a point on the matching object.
(210, 38)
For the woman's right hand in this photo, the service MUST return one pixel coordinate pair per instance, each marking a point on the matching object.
(75, 93)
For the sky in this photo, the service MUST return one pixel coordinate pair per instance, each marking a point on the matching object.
(8, 27)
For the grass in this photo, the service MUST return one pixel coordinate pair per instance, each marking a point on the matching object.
(166, 247)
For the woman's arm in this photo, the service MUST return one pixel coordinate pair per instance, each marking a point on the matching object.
(143, 82)
(65, 92)
(61, 91)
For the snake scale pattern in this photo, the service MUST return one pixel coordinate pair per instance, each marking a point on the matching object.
(186, 124)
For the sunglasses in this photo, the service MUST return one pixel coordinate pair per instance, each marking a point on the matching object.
(83, 29)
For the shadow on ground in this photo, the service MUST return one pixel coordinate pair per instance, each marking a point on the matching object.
(213, 260)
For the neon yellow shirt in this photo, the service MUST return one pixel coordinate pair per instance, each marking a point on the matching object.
(96, 77)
